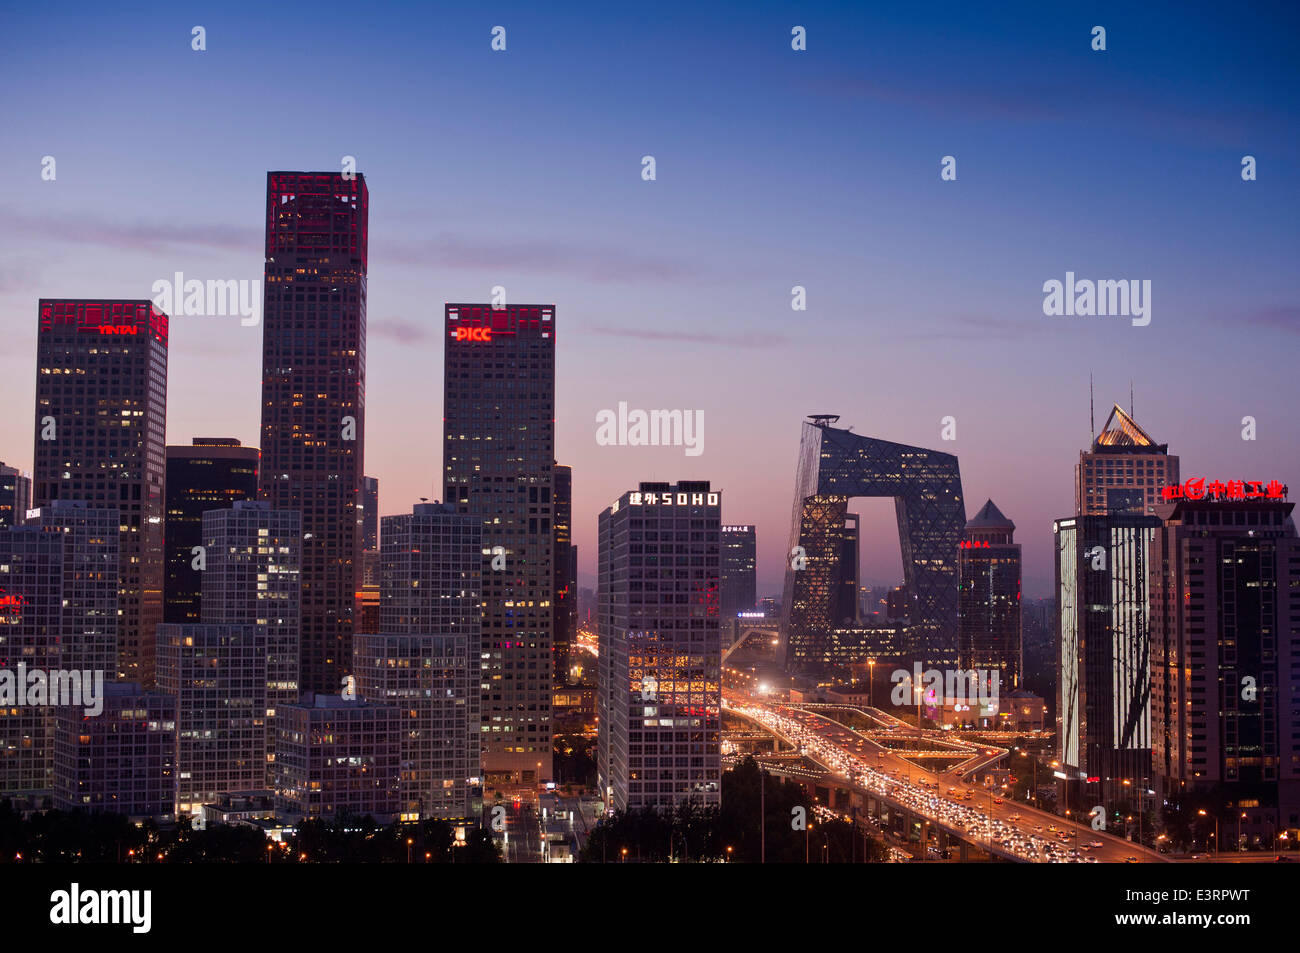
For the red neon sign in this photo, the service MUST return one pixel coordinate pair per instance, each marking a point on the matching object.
(474, 334)
(11, 607)
(975, 544)
(1232, 490)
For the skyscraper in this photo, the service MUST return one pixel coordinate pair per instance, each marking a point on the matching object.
(58, 613)
(738, 569)
(217, 674)
(498, 462)
(338, 755)
(253, 578)
(835, 465)
(844, 600)
(101, 411)
(90, 570)
(1103, 575)
(209, 475)
(1123, 471)
(30, 616)
(15, 495)
(659, 696)
(369, 512)
(1225, 645)
(565, 600)
(430, 680)
(122, 760)
(427, 655)
(988, 605)
(314, 396)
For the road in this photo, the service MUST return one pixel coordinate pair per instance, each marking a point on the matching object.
(1008, 828)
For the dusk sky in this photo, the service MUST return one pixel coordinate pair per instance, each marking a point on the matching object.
(775, 168)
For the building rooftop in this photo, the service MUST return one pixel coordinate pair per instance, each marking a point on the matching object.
(989, 517)
(1121, 432)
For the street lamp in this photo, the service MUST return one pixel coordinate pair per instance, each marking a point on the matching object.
(1216, 830)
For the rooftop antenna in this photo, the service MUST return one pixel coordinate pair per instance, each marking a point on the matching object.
(1092, 420)
(1130, 397)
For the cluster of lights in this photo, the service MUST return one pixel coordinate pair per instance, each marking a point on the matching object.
(802, 730)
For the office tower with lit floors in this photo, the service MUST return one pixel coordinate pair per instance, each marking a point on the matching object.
(120, 761)
(1123, 471)
(368, 511)
(1225, 646)
(739, 566)
(659, 692)
(1103, 579)
(988, 603)
(314, 396)
(15, 495)
(835, 465)
(253, 578)
(426, 657)
(101, 410)
(211, 474)
(338, 755)
(217, 674)
(499, 465)
(58, 612)
(31, 614)
(565, 601)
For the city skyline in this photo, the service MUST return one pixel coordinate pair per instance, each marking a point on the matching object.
(676, 292)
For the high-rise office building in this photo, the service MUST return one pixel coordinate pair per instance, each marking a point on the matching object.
(897, 604)
(336, 755)
(15, 495)
(58, 617)
(31, 615)
(1123, 471)
(565, 600)
(368, 510)
(988, 605)
(835, 465)
(122, 760)
(101, 411)
(217, 674)
(1225, 652)
(844, 600)
(660, 659)
(209, 475)
(1103, 576)
(430, 680)
(314, 396)
(253, 578)
(90, 588)
(368, 597)
(739, 571)
(427, 657)
(498, 463)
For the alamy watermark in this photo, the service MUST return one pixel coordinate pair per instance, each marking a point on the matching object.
(651, 428)
(178, 297)
(1103, 298)
(972, 686)
(21, 687)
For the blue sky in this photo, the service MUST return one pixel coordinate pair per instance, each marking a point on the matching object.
(775, 168)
